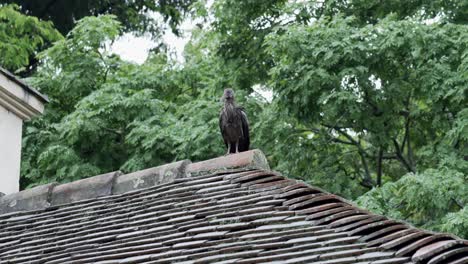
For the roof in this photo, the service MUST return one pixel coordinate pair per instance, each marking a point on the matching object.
(25, 86)
(231, 209)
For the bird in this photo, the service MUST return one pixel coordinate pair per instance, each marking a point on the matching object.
(233, 124)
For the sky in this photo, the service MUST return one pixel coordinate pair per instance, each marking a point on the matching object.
(135, 49)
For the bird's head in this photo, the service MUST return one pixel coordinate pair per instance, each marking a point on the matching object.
(228, 94)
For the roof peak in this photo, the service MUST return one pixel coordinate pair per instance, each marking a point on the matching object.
(116, 182)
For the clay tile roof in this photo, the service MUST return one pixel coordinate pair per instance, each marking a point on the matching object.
(231, 209)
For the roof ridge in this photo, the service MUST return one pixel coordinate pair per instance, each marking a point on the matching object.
(116, 182)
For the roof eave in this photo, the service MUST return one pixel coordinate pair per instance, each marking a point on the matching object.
(19, 82)
(19, 98)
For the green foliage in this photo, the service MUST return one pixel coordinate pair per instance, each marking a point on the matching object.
(241, 36)
(78, 64)
(432, 199)
(377, 87)
(371, 11)
(71, 69)
(106, 114)
(134, 15)
(456, 222)
(296, 151)
(21, 36)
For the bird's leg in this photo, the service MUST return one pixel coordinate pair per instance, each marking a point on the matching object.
(229, 149)
(237, 146)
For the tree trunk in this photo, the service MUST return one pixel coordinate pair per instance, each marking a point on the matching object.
(368, 182)
(379, 167)
(409, 150)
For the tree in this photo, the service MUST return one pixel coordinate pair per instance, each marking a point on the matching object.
(134, 15)
(28, 35)
(376, 88)
(21, 36)
(434, 199)
(70, 70)
(107, 114)
(241, 28)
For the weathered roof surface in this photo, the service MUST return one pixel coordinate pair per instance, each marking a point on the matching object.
(227, 210)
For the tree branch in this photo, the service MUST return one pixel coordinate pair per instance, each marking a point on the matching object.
(457, 203)
(367, 182)
(401, 158)
(388, 156)
(117, 132)
(338, 129)
(350, 138)
(337, 140)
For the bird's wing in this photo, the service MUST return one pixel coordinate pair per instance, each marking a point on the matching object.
(245, 142)
(221, 121)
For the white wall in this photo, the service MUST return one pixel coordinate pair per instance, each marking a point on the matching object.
(10, 151)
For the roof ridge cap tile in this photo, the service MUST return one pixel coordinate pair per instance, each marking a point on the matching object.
(54, 194)
(116, 182)
(87, 188)
(150, 177)
(252, 159)
(30, 199)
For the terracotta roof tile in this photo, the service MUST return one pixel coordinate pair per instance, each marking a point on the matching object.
(419, 243)
(383, 231)
(237, 214)
(433, 249)
(459, 260)
(444, 257)
(354, 221)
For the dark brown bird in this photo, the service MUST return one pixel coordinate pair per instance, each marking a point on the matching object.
(234, 125)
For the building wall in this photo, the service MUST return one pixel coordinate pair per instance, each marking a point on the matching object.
(10, 151)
